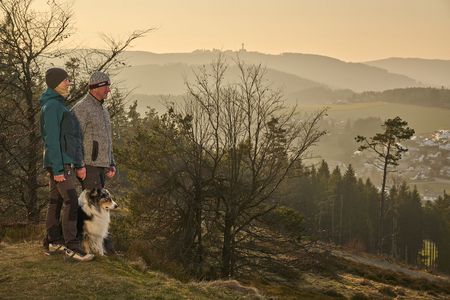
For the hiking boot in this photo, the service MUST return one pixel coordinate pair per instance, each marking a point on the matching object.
(45, 244)
(53, 248)
(79, 255)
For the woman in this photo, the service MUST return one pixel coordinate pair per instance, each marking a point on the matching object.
(63, 158)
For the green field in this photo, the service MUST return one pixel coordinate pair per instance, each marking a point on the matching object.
(422, 119)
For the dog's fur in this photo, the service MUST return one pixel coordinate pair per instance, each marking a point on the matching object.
(96, 205)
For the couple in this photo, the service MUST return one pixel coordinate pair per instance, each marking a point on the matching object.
(76, 143)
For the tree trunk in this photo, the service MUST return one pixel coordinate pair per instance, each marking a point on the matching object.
(333, 230)
(381, 212)
(340, 220)
(32, 161)
(198, 225)
(226, 248)
(394, 236)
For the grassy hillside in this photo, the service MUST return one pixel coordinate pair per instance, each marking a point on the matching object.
(26, 273)
(326, 273)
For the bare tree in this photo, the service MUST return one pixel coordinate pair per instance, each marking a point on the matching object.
(27, 38)
(249, 141)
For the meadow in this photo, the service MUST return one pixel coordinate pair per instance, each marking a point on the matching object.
(422, 119)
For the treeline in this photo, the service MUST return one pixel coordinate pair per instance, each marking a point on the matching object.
(432, 97)
(343, 209)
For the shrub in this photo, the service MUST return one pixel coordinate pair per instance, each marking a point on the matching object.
(388, 291)
(156, 258)
(359, 296)
(18, 232)
(287, 221)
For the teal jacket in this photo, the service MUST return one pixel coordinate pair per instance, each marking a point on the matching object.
(60, 132)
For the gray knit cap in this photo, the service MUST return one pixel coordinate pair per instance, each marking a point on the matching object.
(98, 79)
(54, 76)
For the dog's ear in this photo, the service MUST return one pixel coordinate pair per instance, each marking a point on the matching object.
(94, 193)
(106, 193)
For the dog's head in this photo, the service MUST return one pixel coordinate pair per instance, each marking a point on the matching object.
(102, 199)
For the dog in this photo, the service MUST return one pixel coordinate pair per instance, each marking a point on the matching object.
(95, 206)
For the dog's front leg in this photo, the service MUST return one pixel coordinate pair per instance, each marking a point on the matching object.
(98, 245)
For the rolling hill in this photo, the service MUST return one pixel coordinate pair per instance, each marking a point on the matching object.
(324, 70)
(170, 79)
(434, 72)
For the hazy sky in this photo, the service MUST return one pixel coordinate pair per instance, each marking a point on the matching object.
(352, 30)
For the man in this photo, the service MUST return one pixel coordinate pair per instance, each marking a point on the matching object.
(62, 158)
(95, 125)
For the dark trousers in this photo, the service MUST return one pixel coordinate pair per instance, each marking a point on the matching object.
(95, 178)
(63, 197)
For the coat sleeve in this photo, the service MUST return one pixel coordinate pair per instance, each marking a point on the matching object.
(109, 129)
(78, 152)
(82, 119)
(52, 121)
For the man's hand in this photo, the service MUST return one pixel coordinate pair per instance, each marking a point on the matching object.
(111, 172)
(59, 178)
(81, 173)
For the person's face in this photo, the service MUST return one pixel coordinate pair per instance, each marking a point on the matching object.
(102, 92)
(64, 85)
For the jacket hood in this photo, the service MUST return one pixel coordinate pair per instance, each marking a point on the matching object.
(50, 94)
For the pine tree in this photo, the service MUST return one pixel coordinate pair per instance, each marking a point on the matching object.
(387, 147)
(335, 196)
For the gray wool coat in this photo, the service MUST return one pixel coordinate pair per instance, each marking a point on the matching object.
(95, 127)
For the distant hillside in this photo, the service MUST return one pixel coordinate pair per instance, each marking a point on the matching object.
(170, 79)
(319, 95)
(325, 70)
(434, 72)
(430, 97)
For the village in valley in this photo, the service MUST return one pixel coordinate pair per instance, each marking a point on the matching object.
(426, 165)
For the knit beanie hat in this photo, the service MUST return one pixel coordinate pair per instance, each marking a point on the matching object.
(54, 76)
(98, 79)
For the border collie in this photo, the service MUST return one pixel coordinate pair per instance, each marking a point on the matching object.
(96, 205)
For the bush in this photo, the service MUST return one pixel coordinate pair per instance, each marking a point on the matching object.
(334, 294)
(122, 231)
(156, 259)
(359, 296)
(19, 232)
(287, 221)
(388, 291)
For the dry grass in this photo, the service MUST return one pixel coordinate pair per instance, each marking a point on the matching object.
(321, 272)
(26, 273)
